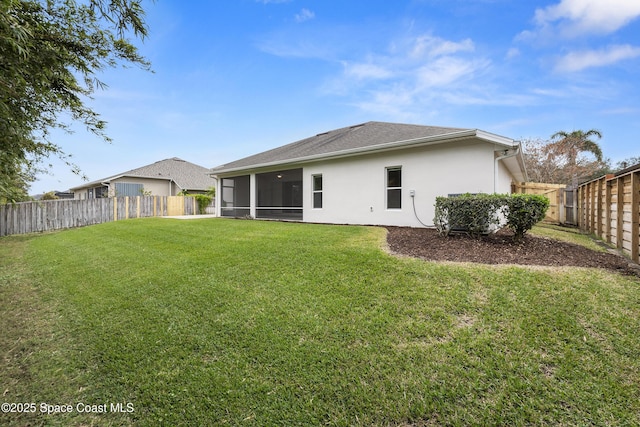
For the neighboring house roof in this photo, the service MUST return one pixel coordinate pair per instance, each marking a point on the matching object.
(352, 140)
(186, 175)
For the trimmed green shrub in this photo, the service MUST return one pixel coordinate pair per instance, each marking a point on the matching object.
(478, 214)
(524, 211)
(475, 214)
(203, 200)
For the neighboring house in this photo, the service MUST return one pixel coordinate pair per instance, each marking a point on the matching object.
(373, 173)
(168, 177)
(60, 195)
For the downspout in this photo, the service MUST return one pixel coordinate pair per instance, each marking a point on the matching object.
(496, 169)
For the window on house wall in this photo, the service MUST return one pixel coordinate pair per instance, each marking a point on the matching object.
(101, 192)
(394, 187)
(124, 189)
(317, 191)
(236, 196)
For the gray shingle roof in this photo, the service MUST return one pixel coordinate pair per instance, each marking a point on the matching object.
(186, 175)
(365, 135)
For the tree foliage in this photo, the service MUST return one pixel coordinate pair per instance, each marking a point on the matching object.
(51, 54)
(571, 144)
(566, 158)
(627, 163)
(203, 200)
(51, 195)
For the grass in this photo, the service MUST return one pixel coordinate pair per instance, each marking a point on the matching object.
(570, 235)
(224, 322)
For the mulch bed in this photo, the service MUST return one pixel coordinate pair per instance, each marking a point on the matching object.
(500, 248)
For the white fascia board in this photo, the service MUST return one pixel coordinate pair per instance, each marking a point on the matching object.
(496, 139)
(430, 140)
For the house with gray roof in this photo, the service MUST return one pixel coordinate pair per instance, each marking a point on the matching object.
(168, 177)
(372, 173)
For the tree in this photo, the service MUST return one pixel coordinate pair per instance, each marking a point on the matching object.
(561, 160)
(566, 147)
(540, 166)
(51, 53)
(626, 163)
(51, 195)
(576, 142)
(14, 178)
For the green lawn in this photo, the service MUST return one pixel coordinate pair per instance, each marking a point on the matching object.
(231, 322)
(570, 235)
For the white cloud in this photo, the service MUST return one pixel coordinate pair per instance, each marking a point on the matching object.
(513, 53)
(444, 72)
(412, 76)
(572, 18)
(366, 71)
(282, 45)
(391, 103)
(418, 73)
(577, 61)
(621, 111)
(305, 15)
(429, 46)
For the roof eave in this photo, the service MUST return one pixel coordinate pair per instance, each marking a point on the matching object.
(112, 178)
(430, 140)
(516, 165)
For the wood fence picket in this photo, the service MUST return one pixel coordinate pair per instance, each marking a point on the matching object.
(609, 207)
(40, 216)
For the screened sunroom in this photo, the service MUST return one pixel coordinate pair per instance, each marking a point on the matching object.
(278, 195)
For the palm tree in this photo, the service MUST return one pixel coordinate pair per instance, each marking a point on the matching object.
(574, 143)
(565, 149)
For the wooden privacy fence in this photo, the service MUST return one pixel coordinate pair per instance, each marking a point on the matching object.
(31, 217)
(609, 207)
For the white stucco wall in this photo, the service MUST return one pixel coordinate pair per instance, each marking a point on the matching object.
(504, 179)
(354, 189)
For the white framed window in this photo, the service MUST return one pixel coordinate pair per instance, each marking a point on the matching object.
(394, 187)
(317, 191)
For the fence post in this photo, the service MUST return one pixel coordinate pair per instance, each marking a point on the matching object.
(575, 206)
(620, 212)
(608, 202)
(2, 221)
(577, 203)
(598, 207)
(635, 214)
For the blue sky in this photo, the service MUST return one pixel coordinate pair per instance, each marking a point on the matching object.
(236, 77)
